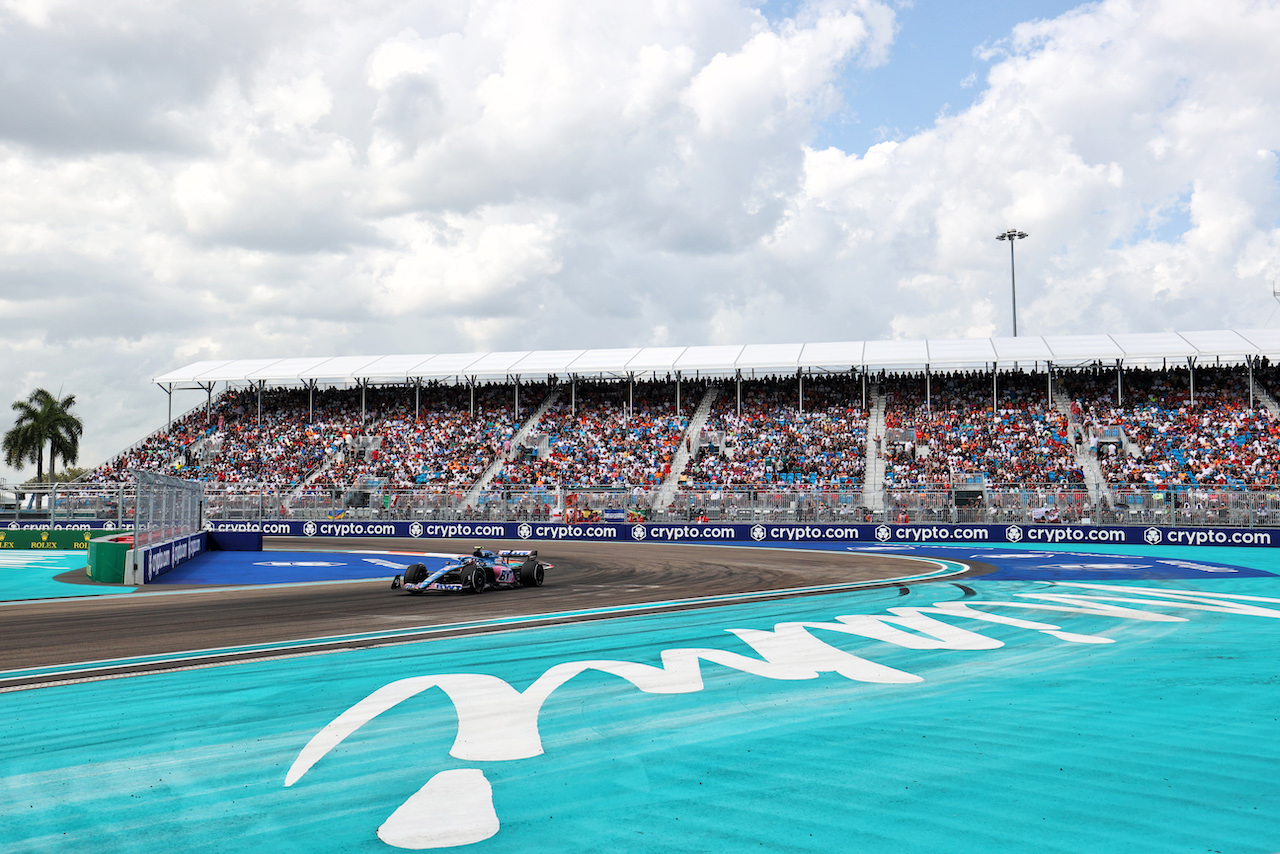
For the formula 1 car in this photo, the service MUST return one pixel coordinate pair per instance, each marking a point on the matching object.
(476, 573)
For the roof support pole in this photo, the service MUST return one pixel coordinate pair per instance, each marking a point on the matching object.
(311, 402)
(993, 389)
(362, 408)
(800, 381)
(631, 395)
(739, 393)
(1049, 368)
(1191, 372)
(417, 397)
(573, 395)
(169, 423)
(208, 402)
(1119, 386)
(677, 394)
(261, 383)
(864, 388)
(517, 397)
(928, 392)
(1250, 361)
(471, 381)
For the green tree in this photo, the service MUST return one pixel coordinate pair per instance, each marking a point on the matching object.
(43, 420)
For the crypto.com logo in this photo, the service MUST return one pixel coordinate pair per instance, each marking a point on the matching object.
(1013, 534)
(757, 532)
(639, 533)
(525, 530)
(883, 533)
(1153, 536)
(497, 723)
(309, 529)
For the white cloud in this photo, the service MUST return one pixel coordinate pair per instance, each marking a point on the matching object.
(181, 182)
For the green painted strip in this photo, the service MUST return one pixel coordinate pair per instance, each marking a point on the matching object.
(945, 568)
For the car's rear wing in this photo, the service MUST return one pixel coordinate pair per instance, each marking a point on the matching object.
(518, 553)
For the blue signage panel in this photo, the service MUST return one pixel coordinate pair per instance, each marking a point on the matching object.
(768, 532)
(157, 560)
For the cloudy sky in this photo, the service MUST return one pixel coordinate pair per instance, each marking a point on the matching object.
(181, 181)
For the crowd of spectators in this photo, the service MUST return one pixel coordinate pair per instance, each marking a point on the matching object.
(946, 432)
(334, 438)
(1166, 439)
(1150, 434)
(774, 442)
(604, 435)
(441, 445)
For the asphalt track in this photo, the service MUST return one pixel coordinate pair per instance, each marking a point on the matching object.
(586, 576)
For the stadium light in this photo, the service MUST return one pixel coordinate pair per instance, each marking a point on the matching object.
(1011, 235)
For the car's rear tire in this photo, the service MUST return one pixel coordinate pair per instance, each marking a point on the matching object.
(476, 582)
(416, 573)
(532, 574)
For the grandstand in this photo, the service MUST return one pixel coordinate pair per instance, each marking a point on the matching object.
(1072, 428)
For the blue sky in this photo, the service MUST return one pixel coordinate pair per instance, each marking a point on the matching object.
(933, 67)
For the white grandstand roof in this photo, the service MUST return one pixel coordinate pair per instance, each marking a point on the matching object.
(726, 360)
(770, 356)
(395, 367)
(840, 355)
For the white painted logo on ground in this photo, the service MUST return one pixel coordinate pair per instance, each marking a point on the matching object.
(297, 563)
(498, 723)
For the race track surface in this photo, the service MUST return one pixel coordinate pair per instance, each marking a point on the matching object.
(586, 577)
(1053, 701)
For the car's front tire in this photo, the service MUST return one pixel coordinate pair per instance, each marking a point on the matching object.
(395, 583)
(476, 582)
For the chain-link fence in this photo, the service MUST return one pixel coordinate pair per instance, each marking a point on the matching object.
(166, 507)
(69, 504)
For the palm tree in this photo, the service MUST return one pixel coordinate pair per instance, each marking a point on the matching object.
(20, 447)
(43, 419)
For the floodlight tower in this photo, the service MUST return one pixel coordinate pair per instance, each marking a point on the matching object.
(1011, 235)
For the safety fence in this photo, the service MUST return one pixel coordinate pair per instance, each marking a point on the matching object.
(97, 505)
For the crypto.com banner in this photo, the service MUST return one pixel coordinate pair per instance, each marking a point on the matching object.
(155, 561)
(766, 533)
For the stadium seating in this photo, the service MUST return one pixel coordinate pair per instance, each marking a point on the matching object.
(774, 444)
(1156, 436)
(306, 450)
(595, 440)
(952, 435)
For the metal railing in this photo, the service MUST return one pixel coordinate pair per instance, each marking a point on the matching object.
(72, 503)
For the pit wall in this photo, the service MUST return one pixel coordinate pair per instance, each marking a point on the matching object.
(151, 562)
(764, 532)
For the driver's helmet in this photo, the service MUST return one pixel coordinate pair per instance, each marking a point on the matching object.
(479, 552)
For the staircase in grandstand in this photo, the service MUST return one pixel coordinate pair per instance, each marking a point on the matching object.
(1264, 397)
(873, 482)
(684, 453)
(1093, 478)
(329, 461)
(472, 497)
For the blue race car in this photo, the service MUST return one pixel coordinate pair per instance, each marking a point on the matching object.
(476, 573)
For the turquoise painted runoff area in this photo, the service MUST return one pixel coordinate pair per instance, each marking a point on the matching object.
(30, 575)
(1165, 740)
